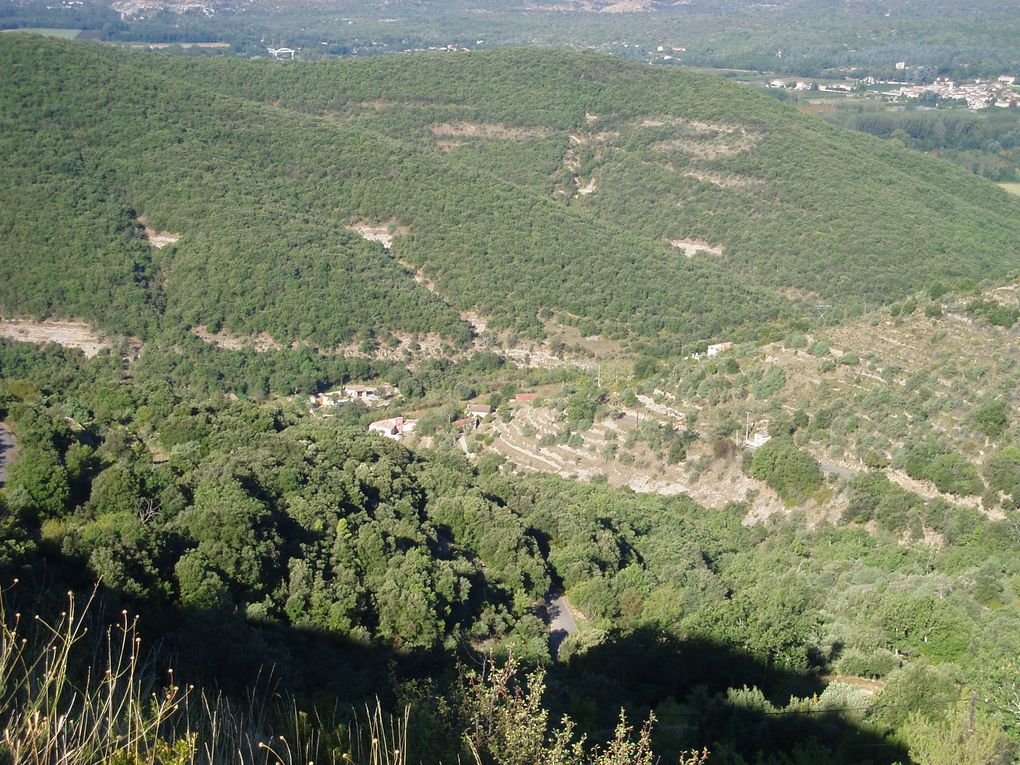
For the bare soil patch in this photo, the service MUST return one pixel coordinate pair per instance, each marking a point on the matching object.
(629, 6)
(383, 233)
(723, 181)
(70, 334)
(706, 140)
(692, 247)
(259, 343)
(486, 131)
(448, 146)
(157, 239)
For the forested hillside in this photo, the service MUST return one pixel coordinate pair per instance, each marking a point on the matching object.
(268, 551)
(566, 176)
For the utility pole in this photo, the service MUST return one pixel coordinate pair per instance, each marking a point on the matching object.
(970, 716)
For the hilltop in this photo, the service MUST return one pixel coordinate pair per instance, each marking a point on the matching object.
(411, 199)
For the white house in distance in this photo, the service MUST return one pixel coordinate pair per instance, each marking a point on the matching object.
(715, 350)
(394, 428)
(329, 399)
(361, 392)
(478, 410)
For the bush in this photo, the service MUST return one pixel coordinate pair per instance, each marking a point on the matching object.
(773, 382)
(1002, 471)
(819, 348)
(792, 472)
(991, 418)
(994, 313)
(953, 474)
(950, 472)
(877, 663)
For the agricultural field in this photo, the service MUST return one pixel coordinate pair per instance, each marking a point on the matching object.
(60, 34)
(931, 376)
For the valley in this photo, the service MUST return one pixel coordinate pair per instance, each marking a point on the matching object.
(511, 406)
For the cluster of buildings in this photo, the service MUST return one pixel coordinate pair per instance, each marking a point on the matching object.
(383, 395)
(394, 427)
(978, 94)
(713, 350)
(473, 416)
(369, 395)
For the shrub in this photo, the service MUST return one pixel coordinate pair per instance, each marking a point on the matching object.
(991, 418)
(773, 382)
(819, 348)
(950, 472)
(790, 471)
(994, 313)
(877, 663)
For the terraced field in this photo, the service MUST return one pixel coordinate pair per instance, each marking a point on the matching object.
(608, 449)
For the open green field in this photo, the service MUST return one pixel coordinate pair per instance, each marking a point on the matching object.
(1012, 188)
(63, 34)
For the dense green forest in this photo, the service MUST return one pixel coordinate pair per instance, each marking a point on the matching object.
(480, 159)
(249, 535)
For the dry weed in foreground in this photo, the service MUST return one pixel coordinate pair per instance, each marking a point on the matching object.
(509, 726)
(65, 700)
(56, 715)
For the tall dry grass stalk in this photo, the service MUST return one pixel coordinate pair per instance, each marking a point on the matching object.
(63, 702)
(58, 711)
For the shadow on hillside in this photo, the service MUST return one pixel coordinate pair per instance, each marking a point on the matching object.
(683, 682)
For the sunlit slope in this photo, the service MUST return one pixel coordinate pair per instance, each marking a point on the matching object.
(621, 198)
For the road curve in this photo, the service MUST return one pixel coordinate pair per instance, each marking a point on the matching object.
(7, 447)
(561, 621)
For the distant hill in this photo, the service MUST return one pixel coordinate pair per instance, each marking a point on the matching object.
(519, 185)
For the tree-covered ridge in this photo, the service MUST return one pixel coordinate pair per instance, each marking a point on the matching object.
(261, 167)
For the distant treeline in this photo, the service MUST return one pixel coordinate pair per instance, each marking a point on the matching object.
(986, 143)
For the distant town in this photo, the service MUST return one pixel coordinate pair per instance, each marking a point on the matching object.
(1001, 92)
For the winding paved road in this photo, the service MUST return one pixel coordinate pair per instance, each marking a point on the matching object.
(7, 446)
(561, 621)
